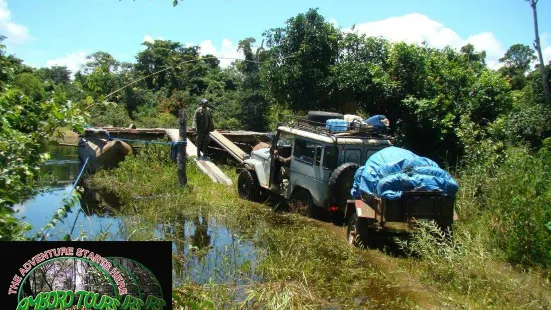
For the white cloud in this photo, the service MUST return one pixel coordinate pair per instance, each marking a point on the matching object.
(150, 39)
(486, 41)
(334, 22)
(418, 28)
(72, 61)
(15, 33)
(545, 39)
(226, 52)
(546, 53)
(206, 47)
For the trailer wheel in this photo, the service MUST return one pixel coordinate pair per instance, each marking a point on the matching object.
(247, 185)
(357, 232)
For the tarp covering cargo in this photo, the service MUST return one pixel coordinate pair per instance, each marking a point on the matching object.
(392, 170)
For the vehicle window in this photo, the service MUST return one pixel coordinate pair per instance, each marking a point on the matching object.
(353, 156)
(285, 139)
(304, 151)
(330, 158)
(368, 153)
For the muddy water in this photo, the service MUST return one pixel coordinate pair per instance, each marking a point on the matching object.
(205, 251)
(90, 216)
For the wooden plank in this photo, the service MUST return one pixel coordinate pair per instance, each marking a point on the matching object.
(218, 174)
(206, 166)
(235, 151)
(174, 134)
(191, 149)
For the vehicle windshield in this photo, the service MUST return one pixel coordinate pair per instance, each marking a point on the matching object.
(285, 139)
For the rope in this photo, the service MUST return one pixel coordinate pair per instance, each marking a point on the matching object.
(71, 193)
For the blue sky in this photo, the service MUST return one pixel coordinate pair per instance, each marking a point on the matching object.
(48, 32)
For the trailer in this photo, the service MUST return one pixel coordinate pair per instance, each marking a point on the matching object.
(370, 217)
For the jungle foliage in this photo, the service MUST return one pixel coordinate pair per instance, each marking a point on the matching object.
(446, 104)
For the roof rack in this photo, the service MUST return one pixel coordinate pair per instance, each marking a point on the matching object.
(319, 128)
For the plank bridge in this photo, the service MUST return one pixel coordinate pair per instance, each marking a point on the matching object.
(235, 143)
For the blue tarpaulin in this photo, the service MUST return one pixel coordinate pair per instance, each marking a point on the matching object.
(393, 170)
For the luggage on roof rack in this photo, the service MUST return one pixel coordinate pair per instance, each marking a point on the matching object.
(354, 129)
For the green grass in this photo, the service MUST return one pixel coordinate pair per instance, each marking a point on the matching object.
(275, 260)
(470, 275)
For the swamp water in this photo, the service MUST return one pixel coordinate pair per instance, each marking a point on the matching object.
(90, 216)
(204, 250)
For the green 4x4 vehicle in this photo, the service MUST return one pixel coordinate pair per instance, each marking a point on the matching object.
(309, 163)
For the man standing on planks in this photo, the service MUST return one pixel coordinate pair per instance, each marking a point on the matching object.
(204, 125)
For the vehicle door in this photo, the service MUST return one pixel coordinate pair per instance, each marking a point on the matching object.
(306, 167)
(272, 165)
(282, 146)
(329, 161)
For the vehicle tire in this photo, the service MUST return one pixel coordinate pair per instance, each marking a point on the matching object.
(322, 116)
(247, 185)
(357, 232)
(340, 182)
(302, 195)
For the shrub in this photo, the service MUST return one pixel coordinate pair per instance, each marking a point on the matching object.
(514, 202)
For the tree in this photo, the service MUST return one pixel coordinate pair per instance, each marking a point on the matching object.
(101, 60)
(254, 106)
(168, 64)
(471, 56)
(100, 75)
(31, 85)
(301, 56)
(55, 74)
(517, 62)
(519, 56)
(537, 45)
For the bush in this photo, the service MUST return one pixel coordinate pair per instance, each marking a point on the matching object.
(513, 201)
(161, 120)
(110, 114)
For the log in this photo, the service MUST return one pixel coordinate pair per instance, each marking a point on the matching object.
(181, 157)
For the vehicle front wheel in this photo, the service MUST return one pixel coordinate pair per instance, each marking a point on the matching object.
(247, 185)
(357, 232)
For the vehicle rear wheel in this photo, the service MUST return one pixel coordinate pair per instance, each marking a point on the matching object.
(341, 181)
(357, 232)
(247, 185)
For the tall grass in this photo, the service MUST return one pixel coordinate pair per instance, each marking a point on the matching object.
(500, 253)
(513, 205)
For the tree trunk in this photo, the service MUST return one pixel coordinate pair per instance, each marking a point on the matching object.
(537, 45)
(181, 157)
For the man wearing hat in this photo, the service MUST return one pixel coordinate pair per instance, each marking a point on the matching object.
(203, 125)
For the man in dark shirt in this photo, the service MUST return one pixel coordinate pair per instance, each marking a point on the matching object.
(204, 125)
